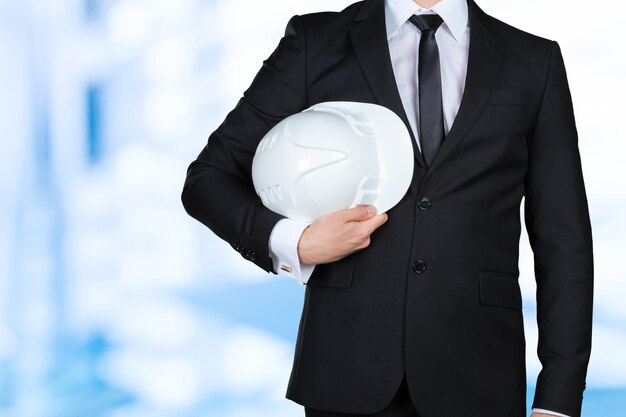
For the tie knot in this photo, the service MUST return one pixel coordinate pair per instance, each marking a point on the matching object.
(426, 21)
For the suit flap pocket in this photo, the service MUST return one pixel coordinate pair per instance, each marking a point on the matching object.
(336, 274)
(499, 289)
(505, 97)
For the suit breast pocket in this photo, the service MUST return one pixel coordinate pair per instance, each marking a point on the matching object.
(505, 115)
(499, 289)
(505, 97)
(336, 274)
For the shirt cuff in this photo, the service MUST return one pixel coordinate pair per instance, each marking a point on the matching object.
(283, 248)
(554, 413)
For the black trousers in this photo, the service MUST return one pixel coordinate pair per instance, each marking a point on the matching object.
(400, 406)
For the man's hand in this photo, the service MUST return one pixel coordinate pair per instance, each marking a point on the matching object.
(338, 234)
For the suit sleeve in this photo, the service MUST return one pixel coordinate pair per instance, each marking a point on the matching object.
(559, 229)
(218, 189)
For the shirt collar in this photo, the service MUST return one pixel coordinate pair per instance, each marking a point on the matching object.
(453, 12)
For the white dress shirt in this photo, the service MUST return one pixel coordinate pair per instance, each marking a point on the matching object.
(403, 38)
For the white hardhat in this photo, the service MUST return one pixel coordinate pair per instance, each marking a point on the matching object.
(333, 156)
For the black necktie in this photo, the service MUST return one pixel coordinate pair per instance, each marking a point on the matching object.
(429, 73)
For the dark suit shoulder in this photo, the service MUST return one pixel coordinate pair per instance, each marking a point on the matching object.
(327, 17)
(325, 21)
(510, 33)
(325, 30)
(527, 52)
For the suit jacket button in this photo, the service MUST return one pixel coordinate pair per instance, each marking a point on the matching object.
(419, 266)
(424, 203)
(250, 255)
(236, 246)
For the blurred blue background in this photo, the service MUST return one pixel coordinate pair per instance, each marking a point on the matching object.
(114, 302)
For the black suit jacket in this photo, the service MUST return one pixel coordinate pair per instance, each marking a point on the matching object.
(455, 327)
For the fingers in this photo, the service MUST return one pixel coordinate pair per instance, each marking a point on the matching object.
(359, 212)
(340, 233)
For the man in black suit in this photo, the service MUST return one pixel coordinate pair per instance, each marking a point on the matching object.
(425, 319)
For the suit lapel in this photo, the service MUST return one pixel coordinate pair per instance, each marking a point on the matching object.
(484, 60)
(369, 40)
